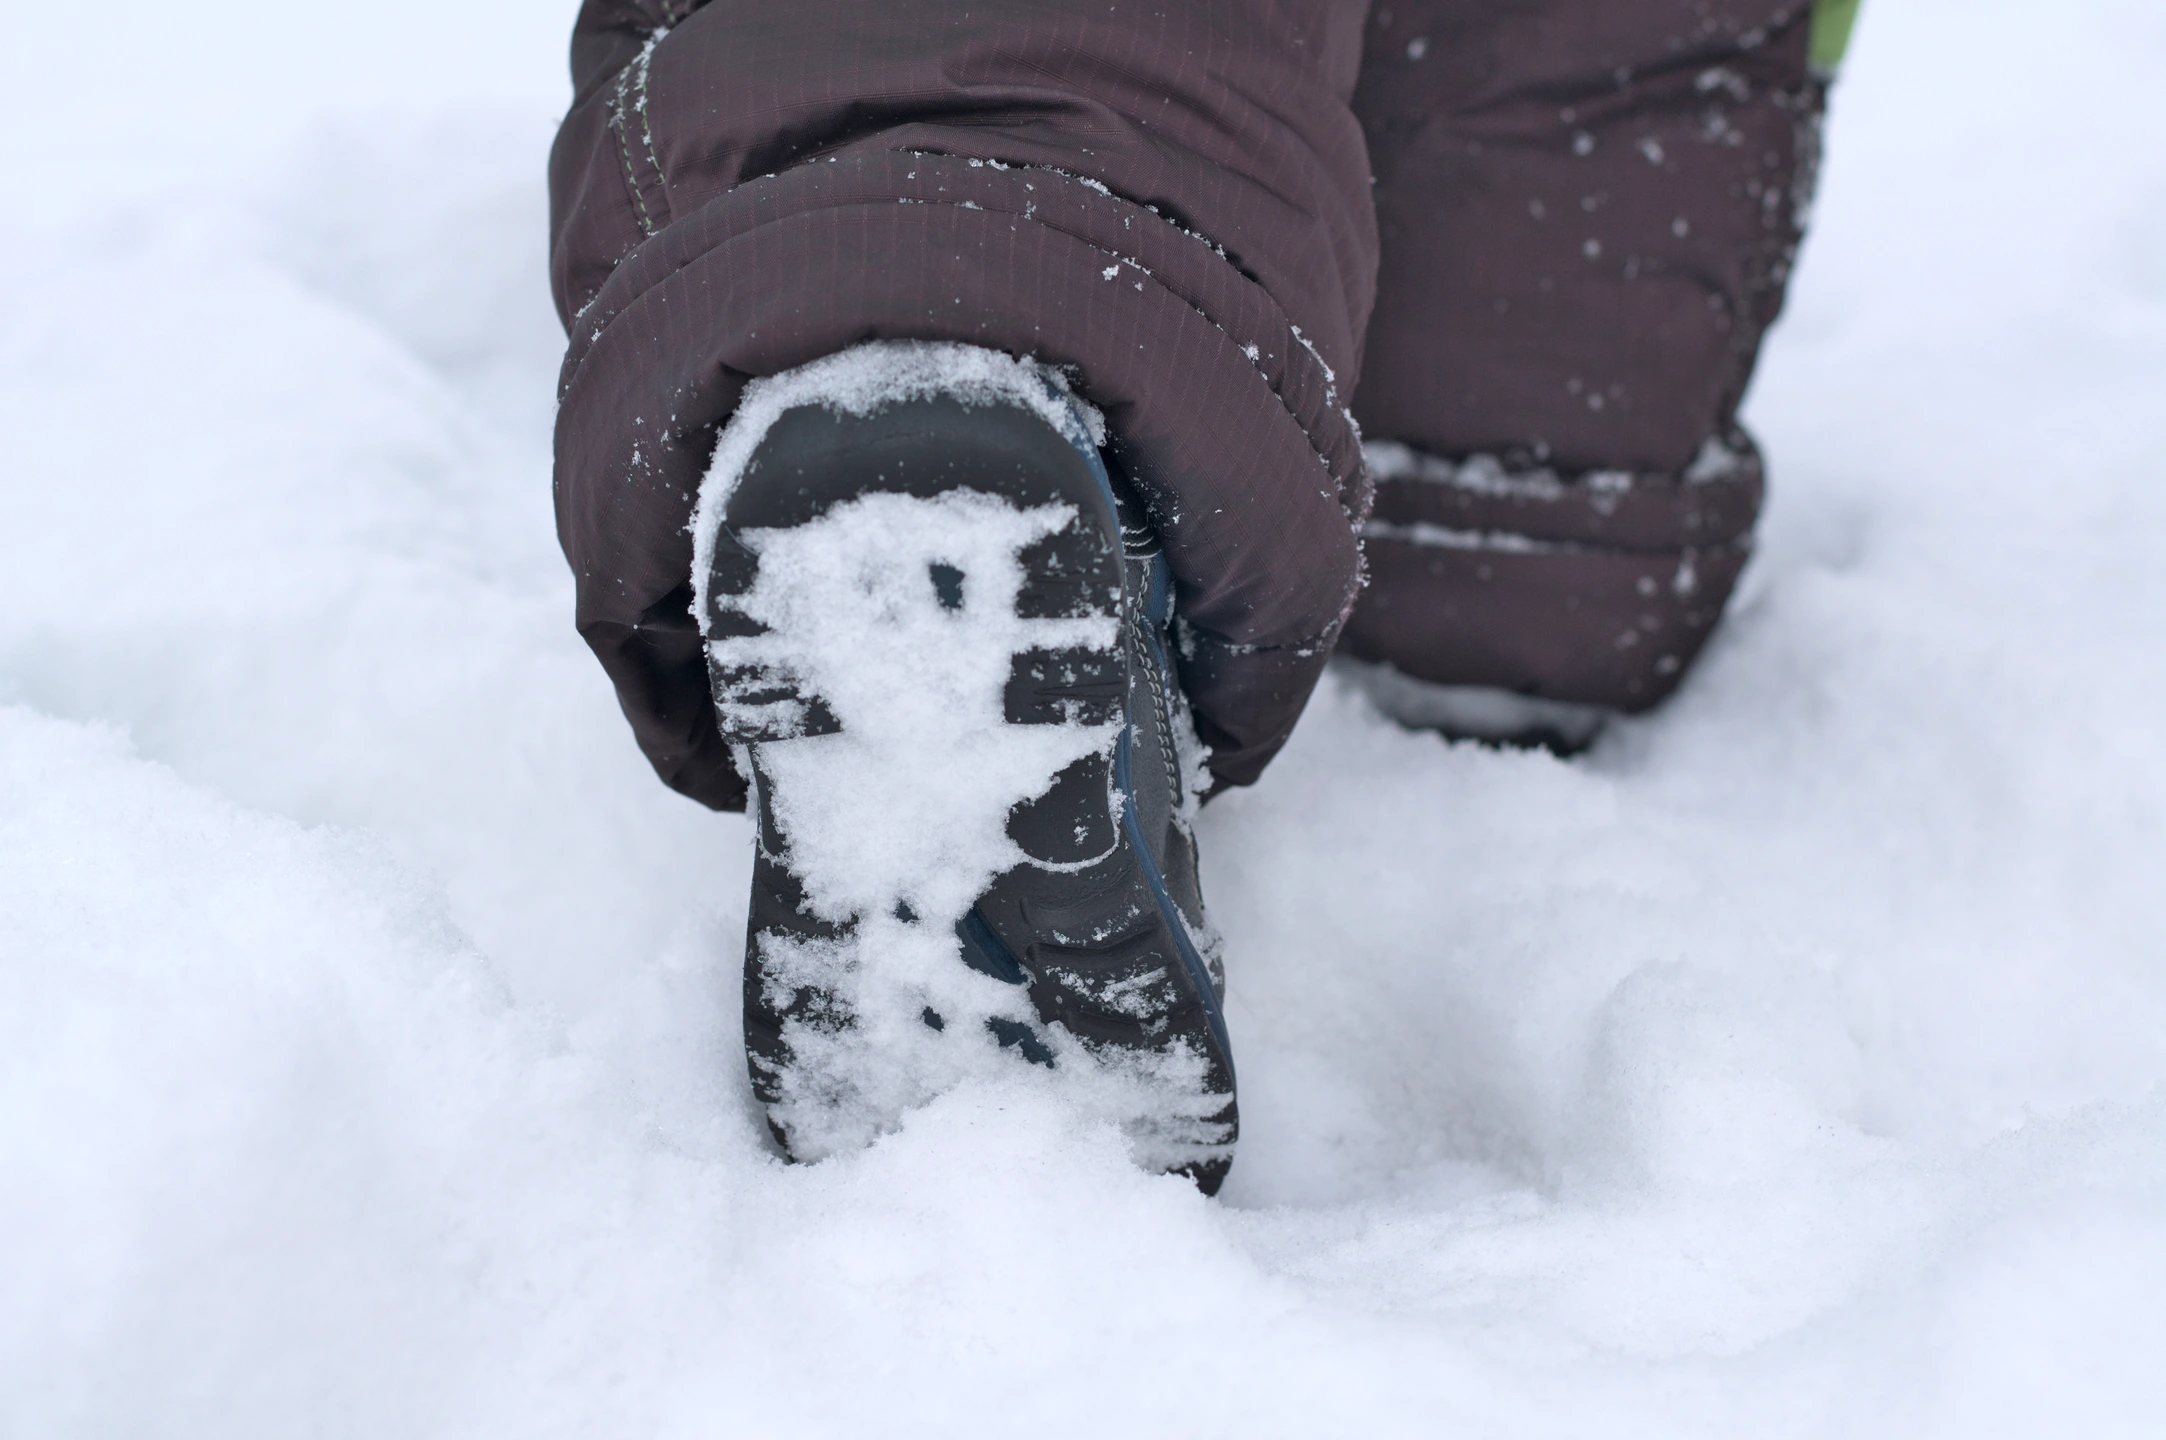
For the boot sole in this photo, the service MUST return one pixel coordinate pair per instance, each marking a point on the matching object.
(1087, 925)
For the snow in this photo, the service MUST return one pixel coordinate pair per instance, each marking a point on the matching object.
(898, 821)
(1789, 1064)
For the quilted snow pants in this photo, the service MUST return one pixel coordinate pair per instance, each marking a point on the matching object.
(1527, 249)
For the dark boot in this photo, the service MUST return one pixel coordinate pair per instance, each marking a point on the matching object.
(966, 623)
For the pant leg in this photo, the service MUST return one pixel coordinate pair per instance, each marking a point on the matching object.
(1171, 202)
(1588, 210)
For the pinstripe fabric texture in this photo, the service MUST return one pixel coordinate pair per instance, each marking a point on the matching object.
(1039, 178)
(1588, 211)
(1585, 209)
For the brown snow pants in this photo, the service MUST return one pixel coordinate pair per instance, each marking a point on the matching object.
(1541, 312)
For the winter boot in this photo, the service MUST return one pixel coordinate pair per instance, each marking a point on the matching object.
(937, 633)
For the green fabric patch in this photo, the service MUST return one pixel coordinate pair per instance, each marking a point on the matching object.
(1832, 20)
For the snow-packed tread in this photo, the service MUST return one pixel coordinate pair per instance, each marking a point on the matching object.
(1082, 922)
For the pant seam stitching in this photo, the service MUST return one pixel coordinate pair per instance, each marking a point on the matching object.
(619, 122)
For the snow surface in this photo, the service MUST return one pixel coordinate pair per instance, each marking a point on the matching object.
(1790, 1064)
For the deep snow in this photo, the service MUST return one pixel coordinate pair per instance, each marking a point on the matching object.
(1791, 1064)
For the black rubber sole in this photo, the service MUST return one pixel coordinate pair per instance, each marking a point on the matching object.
(1091, 930)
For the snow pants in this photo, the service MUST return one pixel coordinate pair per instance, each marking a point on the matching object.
(1541, 312)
